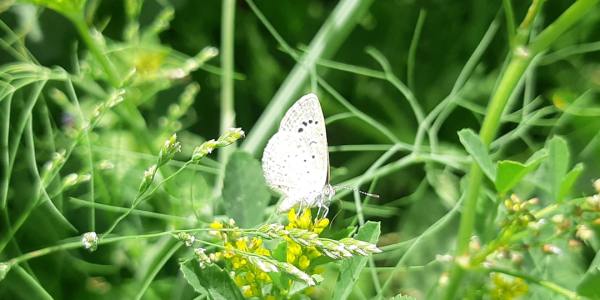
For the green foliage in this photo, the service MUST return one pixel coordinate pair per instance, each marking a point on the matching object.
(478, 151)
(351, 269)
(120, 177)
(558, 165)
(510, 173)
(588, 286)
(245, 193)
(212, 281)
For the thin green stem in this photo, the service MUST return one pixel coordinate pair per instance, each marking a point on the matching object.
(545, 283)
(227, 85)
(227, 67)
(118, 209)
(507, 85)
(75, 242)
(573, 14)
(95, 49)
(141, 197)
(17, 131)
(412, 50)
(334, 31)
(509, 14)
(88, 149)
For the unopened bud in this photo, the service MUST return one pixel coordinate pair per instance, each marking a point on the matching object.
(90, 241)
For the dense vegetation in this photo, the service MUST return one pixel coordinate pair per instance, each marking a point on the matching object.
(131, 134)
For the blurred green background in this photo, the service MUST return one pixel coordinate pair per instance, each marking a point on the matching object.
(564, 83)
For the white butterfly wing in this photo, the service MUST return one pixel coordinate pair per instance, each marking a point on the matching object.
(305, 121)
(295, 160)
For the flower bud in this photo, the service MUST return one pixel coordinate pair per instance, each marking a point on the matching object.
(230, 136)
(90, 241)
(203, 150)
(168, 150)
(147, 180)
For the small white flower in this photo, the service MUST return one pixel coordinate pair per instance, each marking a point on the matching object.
(150, 171)
(597, 185)
(551, 249)
(4, 268)
(90, 241)
(584, 233)
(444, 258)
(70, 180)
(557, 219)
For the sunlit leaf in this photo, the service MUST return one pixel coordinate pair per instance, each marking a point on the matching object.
(478, 152)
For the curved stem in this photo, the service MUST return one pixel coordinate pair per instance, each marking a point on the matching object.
(515, 70)
(545, 283)
(95, 49)
(334, 31)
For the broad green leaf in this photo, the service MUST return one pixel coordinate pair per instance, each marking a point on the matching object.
(157, 256)
(569, 180)
(588, 286)
(245, 193)
(510, 173)
(280, 279)
(558, 165)
(189, 273)
(351, 268)
(478, 152)
(211, 280)
(444, 183)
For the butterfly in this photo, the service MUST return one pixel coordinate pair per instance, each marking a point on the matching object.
(295, 161)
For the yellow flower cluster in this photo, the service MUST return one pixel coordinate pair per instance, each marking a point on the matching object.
(247, 276)
(506, 289)
(296, 254)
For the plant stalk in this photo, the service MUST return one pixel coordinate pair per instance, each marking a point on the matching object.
(227, 85)
(334, 31)
(95, 49)
(520, 61)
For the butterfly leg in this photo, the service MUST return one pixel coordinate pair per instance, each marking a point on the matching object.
(318, 213)
(300, 208)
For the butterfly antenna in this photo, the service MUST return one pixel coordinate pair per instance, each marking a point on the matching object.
(357, 190)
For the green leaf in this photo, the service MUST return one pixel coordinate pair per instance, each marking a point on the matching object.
(444, 183)
(569, 180)
(189, 274)
(211, 280)
(351, 268)
(403, 297)
(510, 173)
(558, 165)
(588, 286)
(154, 260)
(478, 152)
(245, 193)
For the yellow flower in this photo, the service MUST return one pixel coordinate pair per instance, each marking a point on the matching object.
(303, 262)
(216, 225)
(291, 219)
(241, 245)
(506, 289)
(305, 221)
(320, 225)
